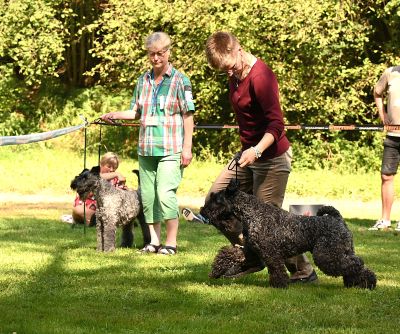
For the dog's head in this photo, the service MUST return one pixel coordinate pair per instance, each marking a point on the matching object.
(219, 212)
(86, 182)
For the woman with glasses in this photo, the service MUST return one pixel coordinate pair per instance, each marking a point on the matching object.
(264, 163)
(163, 102)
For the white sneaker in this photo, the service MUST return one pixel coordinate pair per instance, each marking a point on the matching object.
(67, 219)
(398, 227)
(380, 225)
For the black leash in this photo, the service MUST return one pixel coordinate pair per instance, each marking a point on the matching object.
(234, 165)
(99, 148)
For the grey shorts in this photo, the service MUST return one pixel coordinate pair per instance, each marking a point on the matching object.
(391, 155)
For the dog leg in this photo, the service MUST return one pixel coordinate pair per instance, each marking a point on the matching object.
(357, 275)
(335, 263)
(100, 234)
(110, 231)
(145, 228)
(366, 279)
(127, 235)
(278, 277)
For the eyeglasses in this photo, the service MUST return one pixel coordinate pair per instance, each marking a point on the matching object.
(232, 69)
(159, 54)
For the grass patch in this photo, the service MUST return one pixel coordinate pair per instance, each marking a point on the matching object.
(54, 281)
(33, 168)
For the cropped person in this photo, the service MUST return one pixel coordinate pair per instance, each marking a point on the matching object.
(388, 86)
(162, 100)
(265, 159)
(108, 170)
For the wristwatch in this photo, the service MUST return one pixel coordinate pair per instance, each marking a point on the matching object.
(256, 151)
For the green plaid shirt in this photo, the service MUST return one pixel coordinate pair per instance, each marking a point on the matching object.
(161, 111)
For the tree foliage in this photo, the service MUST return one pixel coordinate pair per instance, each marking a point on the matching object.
(31, 38)
(327, 56)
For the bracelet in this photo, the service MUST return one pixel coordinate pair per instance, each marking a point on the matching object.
(256, 151)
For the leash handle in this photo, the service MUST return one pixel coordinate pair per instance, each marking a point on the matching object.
(234, 164)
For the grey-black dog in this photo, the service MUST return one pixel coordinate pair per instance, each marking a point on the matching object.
(275, 235)
(115, 207)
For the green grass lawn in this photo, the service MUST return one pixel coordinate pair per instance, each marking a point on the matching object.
(52, 280)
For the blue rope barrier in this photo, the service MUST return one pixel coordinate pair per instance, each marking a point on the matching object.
(36, 137)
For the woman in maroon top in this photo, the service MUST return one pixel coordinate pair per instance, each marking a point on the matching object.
(265, 158)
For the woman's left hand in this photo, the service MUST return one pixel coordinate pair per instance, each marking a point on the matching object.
(248, 157)
(186, 157)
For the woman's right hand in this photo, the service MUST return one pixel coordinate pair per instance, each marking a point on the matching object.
(108, 118)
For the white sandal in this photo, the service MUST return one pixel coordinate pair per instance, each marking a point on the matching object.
(150, 248)
(167, 250)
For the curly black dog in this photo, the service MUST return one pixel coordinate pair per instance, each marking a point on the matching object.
(275, 235)
(115, 207)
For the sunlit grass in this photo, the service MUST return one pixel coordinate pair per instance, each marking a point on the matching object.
(52, 280)
(34, 169)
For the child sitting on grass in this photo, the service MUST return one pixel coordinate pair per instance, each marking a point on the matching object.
(108, 165)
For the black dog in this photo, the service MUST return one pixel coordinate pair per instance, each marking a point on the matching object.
(115, 207)
(276, 235)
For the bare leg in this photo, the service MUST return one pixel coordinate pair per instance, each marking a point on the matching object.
(172, 232)
(387, 192)
(77, 214)
(155, 234)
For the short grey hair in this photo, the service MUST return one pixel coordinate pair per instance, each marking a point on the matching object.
(158, 38)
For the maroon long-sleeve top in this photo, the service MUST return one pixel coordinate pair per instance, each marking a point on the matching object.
(255, 101)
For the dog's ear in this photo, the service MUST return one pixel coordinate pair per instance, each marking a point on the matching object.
(75, 181)
(95, 170)
(74, 184)
(232, 187)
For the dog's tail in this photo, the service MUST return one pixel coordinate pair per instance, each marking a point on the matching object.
(136, 171)
(330, 211)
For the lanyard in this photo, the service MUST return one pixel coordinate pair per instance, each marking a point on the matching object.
(155, 89)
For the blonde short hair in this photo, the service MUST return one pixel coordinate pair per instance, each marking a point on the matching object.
(221, 50)
(110, 158)
(159, 39)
